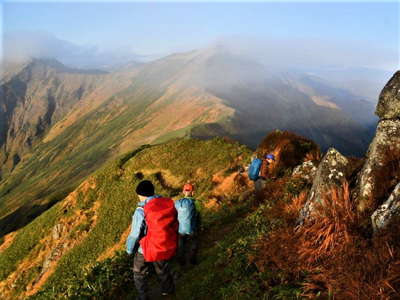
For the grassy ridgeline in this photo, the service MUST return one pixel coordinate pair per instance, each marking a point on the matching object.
(168, 165)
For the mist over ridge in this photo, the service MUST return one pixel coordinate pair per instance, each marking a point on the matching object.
(345, 64)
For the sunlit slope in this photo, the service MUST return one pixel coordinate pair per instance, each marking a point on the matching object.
(54, 249)
(200, 94)
(94, 130)
(33, 97)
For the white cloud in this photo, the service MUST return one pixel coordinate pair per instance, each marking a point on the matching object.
(22, 45)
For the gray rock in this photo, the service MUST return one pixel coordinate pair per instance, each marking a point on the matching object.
(384, 215)
(331, 172)
(307, 171)
(54, 255)
(381, 152)
(389, 100)
(57, 230)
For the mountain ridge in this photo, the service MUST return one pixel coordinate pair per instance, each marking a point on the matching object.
(197, 94)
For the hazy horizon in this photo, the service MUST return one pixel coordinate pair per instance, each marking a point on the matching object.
(294, 35)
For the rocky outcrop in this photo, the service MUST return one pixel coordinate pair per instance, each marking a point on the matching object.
(388, 211)
(331, 173)
(382, 167)
(375, 179)
(389, 100)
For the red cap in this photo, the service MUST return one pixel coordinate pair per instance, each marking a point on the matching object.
(188, 187)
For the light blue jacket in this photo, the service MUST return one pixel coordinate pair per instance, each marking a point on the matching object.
(137, 224)
(187, 215)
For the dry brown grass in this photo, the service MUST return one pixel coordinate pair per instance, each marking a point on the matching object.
(387, 176)
(289, 149)
(331, 254)
(8, 239)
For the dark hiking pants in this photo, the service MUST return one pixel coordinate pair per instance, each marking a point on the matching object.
(187, 251)
(141, 270)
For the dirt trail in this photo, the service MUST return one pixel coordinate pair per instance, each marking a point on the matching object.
(207, 240)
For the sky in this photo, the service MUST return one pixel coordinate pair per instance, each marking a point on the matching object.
(158, 28)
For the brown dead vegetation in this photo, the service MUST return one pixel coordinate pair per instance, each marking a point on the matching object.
(227, 186)
(289, 149)
(331, 255)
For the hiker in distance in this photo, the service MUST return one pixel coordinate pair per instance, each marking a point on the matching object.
(258, 171)
(189, 219)
(153, 239)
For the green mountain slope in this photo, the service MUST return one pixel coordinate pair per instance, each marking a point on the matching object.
(55, 248)
(199, 94)
(98, 128)
(32, 98)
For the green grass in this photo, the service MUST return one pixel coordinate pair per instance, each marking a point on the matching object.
(228, 235)
(27, 239)
(226, 270)
(40, 178)
(115, 184)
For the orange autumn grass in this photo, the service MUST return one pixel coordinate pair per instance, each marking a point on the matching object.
(332, 254)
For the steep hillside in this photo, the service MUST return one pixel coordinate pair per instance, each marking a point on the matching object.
(35, 97)
(320, 227)
(51, 253)
(67, 123)
(124, 110)
(251, 247)
(32, 98)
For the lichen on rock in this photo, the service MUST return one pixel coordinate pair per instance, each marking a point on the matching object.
(374, 180)
(307, 171)
(386, 213)
(332, 172)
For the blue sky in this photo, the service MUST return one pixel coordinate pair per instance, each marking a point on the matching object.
(149, 28)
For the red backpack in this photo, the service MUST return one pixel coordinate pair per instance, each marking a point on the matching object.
(161, 239)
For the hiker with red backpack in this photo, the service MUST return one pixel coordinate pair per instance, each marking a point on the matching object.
(189, 219)
(153, 239)
(258, 170)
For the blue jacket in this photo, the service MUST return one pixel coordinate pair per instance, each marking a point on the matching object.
(187, 215)
(138, 223)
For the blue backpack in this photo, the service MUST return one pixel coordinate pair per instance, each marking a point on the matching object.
(254, 169)
(187, 215)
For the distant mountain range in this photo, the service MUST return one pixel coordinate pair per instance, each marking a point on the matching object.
(59, 124)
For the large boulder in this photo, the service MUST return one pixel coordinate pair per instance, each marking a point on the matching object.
(331, 173)
(388, 211)
(381, 170)
(389, 100)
